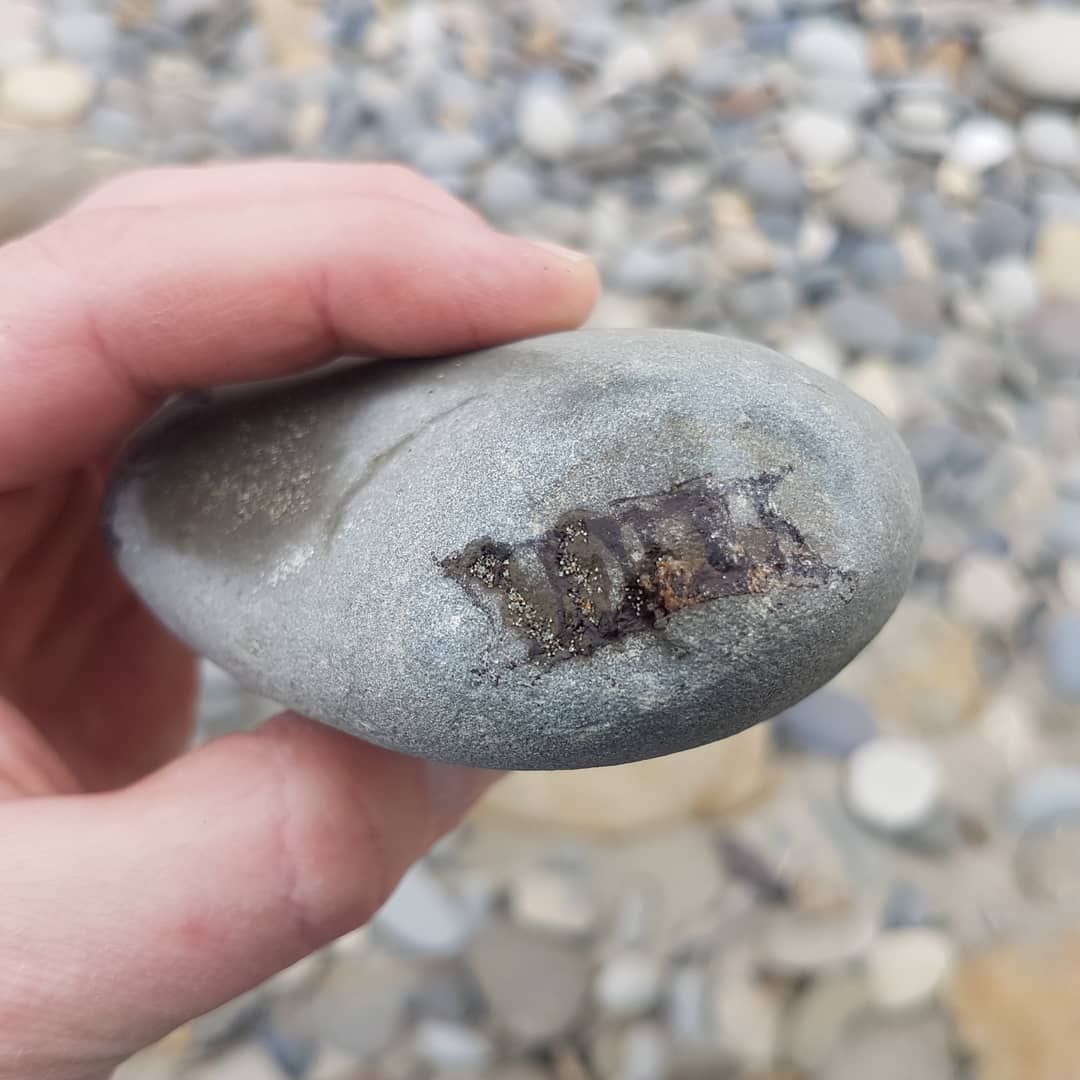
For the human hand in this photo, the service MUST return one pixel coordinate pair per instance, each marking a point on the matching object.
(138, 893)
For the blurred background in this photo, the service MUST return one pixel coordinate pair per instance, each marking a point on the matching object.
(884, 883)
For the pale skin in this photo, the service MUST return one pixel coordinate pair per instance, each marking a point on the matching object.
(142, 884)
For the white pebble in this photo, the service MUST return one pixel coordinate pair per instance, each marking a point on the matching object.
(645, 1053)
(52, 93)
(988, 592)
(817, 352)
(981, 144)
(818, 138)
(631, 64)
(628, 985)
(893, 783)
(906, 967)
(1010, 290)
(828, 47)
(1048, 137)
(453, 1047)
(547, 122)
(548, 900)
(423, 915)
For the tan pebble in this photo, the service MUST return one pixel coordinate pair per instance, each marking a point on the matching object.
(889, 53)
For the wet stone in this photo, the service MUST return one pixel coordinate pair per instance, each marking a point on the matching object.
(690, 514)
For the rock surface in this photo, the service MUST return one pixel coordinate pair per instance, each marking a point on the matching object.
(573, 551)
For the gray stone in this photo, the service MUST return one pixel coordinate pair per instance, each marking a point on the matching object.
(628, 984)
(535, 986)
(1001, 229)
(762, 302)
(1050, 138)
(827, 723)
(1062, 654)
(615, 544)
(862, 324)
(424, 916)
(867, 200)
(1035, 53)
(507, 190)
(1042, 796)
(830, 47)
(770, 180)
(453, 1046)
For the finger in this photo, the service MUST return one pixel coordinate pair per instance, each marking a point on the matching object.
(271, 181)
(201, 881)
(193, 296)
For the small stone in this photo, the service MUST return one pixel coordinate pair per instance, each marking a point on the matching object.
(1042, 796)
(746, 252)
(292, 522)
(423, 915)
(826, 723)
(1048, 862)
(866, 200)
(817, 352)
(453, 1047)
(906, 968)
(893, 783)
(1010, 290)
(747, 1013)
(1057, 256)
(895, 1048)
(770, 180)
(546, 899)
(862, 324)
(982, 143)
(644, 1053)
(829, 47)
(876, 380)
(243, 1063)
(535, 986)
(818, 138)
(957, 183)
(631, 64)
(821, 1016)
(1062, 656)
(1035, 53)
(762, 302)
(628, 985)
(228, 1022)
(1049, 137)
(87, 37)
(53, 93)
(548, 124)
(988, 592)
(1001, 230)
(507, 190)
(798, 942)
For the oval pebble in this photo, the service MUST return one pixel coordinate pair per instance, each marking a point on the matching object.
(629, 984)
(826, 723)
(906, 967)
(893, 783)
(1042, 796)
(578, 550)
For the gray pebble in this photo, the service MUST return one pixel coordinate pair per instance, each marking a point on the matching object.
(454, 1047)
(265, 527)
(1050, 138)
(85, 36)
(1043, 795)
(1001, 229)
(1062, 653)
(424, 916)
(770, 180)
(507, 190)
(535, 987)
(874, 263)
(862, 324)
(762, 302)
(867, 200)
(827, 723)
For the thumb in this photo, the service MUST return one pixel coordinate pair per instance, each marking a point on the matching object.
(126, 914)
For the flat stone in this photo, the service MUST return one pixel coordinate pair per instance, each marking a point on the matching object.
(797, 942)
(826, 723)
(818, 138)
(453, 1047)
(821, 1016)
(907, 967)
(535, 986)
(895, 1048)
(628, 985)
(893, 783)
(682, 535)
(53, 93)
(1042, 796)
(423, 915)
(1035, 53)
(867, 200)
(1049, 137)
(863, 324)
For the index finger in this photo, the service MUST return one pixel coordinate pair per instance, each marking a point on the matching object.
(105, 312)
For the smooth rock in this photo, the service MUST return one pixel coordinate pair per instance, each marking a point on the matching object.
(818, 138)
(53, 93)
(1048, 862)
(1057, 259)
(1010, 290)
(829, 47)
(548, 124)
(906, 968)
(893, 783)
(895, 1048)
(264, 525)
(645, 1053)
(1035, 53)
(535, 986)
(826, 723)
(982, 143)
(820, 1018)
(628, 985)
(1001, 229)
(863, 324)
(1062, 656)
(798, 942)
(547, 899)
(1042, 796)
(1049, 137)
(989, 592)
(867, 200)
(453, 1047)
(423, 915)
(770, 180)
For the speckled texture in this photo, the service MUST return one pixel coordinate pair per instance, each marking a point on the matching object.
(321, 542)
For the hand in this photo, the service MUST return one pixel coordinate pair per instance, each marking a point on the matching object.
(136, 892)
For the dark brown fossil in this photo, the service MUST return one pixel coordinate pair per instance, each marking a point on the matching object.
(595, 577)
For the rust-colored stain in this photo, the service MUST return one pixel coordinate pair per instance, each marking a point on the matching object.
(594, 577)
